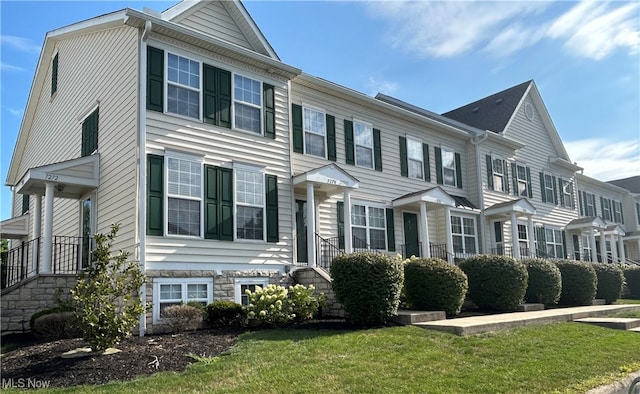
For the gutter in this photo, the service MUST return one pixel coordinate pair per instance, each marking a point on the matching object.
(476, 141)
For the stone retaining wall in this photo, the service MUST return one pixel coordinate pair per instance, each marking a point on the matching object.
(321, 280)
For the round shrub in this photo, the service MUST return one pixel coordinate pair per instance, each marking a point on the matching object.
(368, 285)
(183, 317)
(545, 282)
(632, 280)
(495, 282)
(434, 284)
(56, 325)
(223, 313)
(579, 282)
(610, 282)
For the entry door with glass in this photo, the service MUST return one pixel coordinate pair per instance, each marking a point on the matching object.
(87, 230)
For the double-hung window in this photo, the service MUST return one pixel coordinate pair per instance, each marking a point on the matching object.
(523, 239)
(553, 239)
(176, 291)
(548, 188)
(247, 104)
(184, 195)
(250, 199)
(363, 138)
(183, 86)
(497, 177)
(448, 167)
(566, 198)
(590, 204)
(521, 176)
(315, 129)
(617, 211)
(463, 234)
(415, 158)
(586, 248)
(368, 227)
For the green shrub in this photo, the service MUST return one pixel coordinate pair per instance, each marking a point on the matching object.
(632, 280)
(223, 313)
(434, 284)
(495, 282)
(368, 285)
(545, 281)
(56, 325)
(269, 305)
(579, 282)
(57, 309)
(183, 317)
(303, 301)
(610, 281)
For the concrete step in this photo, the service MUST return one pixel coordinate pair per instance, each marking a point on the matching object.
(637, 329)
(406, 317)
(598, 301)
(617, 323)
(529, 307)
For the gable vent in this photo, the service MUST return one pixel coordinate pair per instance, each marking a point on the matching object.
(498, 101)
(475, 109)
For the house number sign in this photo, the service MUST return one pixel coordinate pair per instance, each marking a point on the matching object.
(50, 177)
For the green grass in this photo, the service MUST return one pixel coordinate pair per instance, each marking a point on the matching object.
(627, 301)
(548, 358)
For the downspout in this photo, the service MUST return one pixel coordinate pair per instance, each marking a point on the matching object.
(294, 229)
(142, 165)
(476, 141)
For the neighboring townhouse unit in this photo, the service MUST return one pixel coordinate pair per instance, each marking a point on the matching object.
(228, 169)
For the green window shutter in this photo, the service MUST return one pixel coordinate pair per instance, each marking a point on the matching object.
(331, 137)
(505, 171)
(529, 189)
(211, 203)
(54, 75)
(340, 210)
(377, 150)
(209, 95)
(155, 195)
(581, 203)
(273, 234)
(542, 188)
(426, 163)
(348, 142)
(514, 179)
(269, 111)
(224, 98)
(217, 96)
(438, 153)
(555, 190)
(561, 191)
(298, 141)
(458, 170)
(489, 173)
(404, 160)
(225, 213)
(564, 244)
(155, 79)
(391, 233)
(621, 213)
(25, 203)
(90, 133)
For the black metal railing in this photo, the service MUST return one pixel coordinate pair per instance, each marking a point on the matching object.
(19, 263)
(70, 254)
(508, 251)
(409, 250)
(327, 249)
(439, 251)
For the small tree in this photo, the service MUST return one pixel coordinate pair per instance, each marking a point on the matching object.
(106, 295)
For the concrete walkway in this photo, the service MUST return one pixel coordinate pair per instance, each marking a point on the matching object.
(487, 323)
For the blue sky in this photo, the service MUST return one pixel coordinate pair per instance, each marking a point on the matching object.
(583, 56)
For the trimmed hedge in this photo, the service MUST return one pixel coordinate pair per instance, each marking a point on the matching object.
(495, 282)
(579, 282)
(368, 285)
(610, 282)
(434, 284)
(632, 280)
(224, 313)
(545, 282)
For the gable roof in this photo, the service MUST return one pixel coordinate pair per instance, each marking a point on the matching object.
(631, 183)
(492, 112)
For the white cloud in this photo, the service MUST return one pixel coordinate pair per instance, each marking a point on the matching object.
(9, 67)
(376, 85)
(21, 44)
(512, 39)
(604, 159)
(15, 112)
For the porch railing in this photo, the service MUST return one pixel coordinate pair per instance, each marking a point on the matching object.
(19, 263)
(328, 249)
(509, 251)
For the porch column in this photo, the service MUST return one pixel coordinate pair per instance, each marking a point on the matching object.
(37, 230)
(424, 230)
(515, 245)
(622, 256)
(348, 239)
(47, 242)
(447, 220)
(531, 237)
(311, 226)
(614, 250)
(603, 247)
(592, 245)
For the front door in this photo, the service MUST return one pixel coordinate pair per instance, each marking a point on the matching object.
(411, 240)
(301, 227)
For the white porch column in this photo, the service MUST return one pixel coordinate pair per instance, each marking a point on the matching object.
(531, 237)
(592, 246)
(37, 229)
(47, 242)
(424, 230)
(614, 250)
(311, 226)
(447, 220)
(622, 256)
(348, 239)
(603, 247)
(515, 245)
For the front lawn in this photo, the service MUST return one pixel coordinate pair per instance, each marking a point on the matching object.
(563, 357)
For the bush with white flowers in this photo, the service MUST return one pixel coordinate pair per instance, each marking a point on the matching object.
(276, 305)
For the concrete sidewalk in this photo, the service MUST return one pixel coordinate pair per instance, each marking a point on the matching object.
(487, 323)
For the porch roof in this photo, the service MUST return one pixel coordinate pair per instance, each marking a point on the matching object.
(330, 179)
(15, 228)
(435, 195)
(521, 206)
(614, 229)
(73, 178)
(586, 223)
(632, 235)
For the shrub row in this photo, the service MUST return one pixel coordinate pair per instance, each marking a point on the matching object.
(632, 280)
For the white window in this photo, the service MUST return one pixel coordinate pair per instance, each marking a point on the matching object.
(315, 131)
(448, 167)
(363, 136)
(248, 104)
(184, 196)
(590, 204)
(521, 179)
(617, 211)
(553, 238)
(183, 86)
(368, 227)
(176, 291)
(567, 193)
(250, 199)
(499, 176)
(548, 191)
(463, 232)
(586, 248)
(241, 285)
(415, 159)
(606, 209)
(523, 239)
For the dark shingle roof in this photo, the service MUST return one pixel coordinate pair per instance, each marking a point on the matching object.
(492, 112)
(632, 183)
